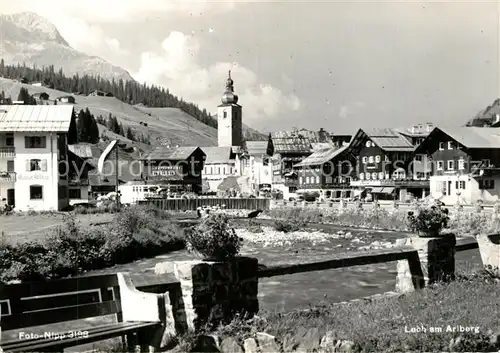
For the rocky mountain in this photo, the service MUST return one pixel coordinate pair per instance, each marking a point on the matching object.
(29, 38)
(487, 116)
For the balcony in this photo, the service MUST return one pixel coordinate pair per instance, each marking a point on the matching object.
(7, 177)
(392, 182)
(7, 152)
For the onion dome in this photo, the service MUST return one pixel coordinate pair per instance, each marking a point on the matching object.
(229, 97)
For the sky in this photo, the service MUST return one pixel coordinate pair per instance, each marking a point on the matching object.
(330, 64)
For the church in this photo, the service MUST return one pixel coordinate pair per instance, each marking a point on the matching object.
(229, 165)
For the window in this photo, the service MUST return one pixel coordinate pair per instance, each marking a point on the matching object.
(9, 139)
(462, 184)
(451, 165)
(387, 176)
(440, 165)
(365, 159)
(301, 181)
(487, 184)
(10, 166)
(486, 163)
(443, 190)
(374, 176)
(461, 164)
(36, 164)
(377, 159)
(225, 114)
(370, 159)
(368, 176)
(381, 175)
(307, 180)
(36, 192)
(35, 142)
(418, 158)
(450, 145)
(368, 144)
(361, 176)
(441, 146)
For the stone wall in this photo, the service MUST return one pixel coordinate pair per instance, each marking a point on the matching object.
(306, 340)
(214, 292)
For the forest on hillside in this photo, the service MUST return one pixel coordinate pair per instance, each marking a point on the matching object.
(130, 92)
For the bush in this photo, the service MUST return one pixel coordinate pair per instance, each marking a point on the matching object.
(428, 221)
(133, 234)
(213, 238)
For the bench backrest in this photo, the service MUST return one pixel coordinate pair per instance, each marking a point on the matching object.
(40, 303)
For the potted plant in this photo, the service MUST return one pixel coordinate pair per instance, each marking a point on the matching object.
(213, 239)
(428, 222)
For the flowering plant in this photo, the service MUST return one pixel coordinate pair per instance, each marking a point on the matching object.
(428, 221)
(213, 238)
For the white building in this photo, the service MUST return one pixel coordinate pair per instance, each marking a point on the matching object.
(33, 146)
(465, 164)
(258, 166)
(220, 163)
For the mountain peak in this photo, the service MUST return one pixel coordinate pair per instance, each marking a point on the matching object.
(35, 24)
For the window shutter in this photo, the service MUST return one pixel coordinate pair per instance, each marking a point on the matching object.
(456, 185)
(44, 165)
(28, 165)
(43, 142)
(26, 142)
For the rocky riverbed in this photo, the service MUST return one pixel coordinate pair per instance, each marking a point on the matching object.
(342, 239)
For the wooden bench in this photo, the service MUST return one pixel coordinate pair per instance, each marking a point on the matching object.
(141, 316)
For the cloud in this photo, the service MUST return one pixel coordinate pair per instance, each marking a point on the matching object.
(350, 109)
(117, 10)
(176, 66)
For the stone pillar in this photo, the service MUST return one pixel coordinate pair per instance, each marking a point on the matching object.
(489, 248)
(214, 292)
(435, 262)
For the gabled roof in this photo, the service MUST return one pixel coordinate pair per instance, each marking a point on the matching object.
(386, 139)
(290, 142)
(218, 155)
(470, 137)
(171, 153)
(321, 156)
(35, 118)
(256, 148)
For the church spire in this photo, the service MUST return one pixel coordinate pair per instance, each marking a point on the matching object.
(229, 97)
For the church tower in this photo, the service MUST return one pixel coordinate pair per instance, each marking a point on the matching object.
(229, 118)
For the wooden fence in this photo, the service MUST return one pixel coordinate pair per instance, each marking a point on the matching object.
(193, 204)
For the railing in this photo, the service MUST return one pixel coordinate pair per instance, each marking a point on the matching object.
(7, 152)
(389, 182)
(357, 258)
(193, 204)
(385, 205)
(7, 177)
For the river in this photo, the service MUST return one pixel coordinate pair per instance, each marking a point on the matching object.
(284, 293)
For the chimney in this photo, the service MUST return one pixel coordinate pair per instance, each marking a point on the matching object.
(430, 126)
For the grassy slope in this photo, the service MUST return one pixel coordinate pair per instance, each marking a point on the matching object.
(171, 123)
